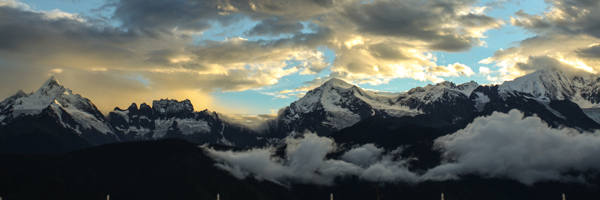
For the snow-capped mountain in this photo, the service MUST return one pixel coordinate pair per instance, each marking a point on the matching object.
(168, 118)
(71, 111)
(336, 105)
(558, 98)
(445, 102)
(561, 99)
(556, 85)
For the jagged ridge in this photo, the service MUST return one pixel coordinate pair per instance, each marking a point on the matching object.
(557, 97)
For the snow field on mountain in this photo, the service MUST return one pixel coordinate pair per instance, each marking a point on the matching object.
(187, 126)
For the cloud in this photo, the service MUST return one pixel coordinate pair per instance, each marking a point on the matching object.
(571, 17)
(274, 27)
(456, 69)
(532, 22)
(502, 145)
(500, 3)
(183, 15)
(305, 162)
(592, 51)
(376, 51)
(257, 123)
(569, 52)
(62, 43)
(516, 147)
(365, 155)
(484, 70)
(198, 16)
(378, 41)
(158, 41)
(445, 26)
(567, 32)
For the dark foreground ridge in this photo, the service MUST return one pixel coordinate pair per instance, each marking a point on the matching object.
(176, 169)
(164, 169)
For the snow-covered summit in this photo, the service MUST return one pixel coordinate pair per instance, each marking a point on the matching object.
(555, 84)
(337, 104)
(336, 83)
(8, 101)
(324, 94)
(60, 100)
(336, 95)
(33, 104)
(444, 91)
(467, 88)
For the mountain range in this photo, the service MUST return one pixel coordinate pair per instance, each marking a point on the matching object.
(151, 151)
(54, 120)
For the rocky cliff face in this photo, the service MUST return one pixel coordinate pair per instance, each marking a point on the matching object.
(168, 118)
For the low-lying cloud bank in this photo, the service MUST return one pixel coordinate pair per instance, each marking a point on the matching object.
(305, 162)
(523, 149)
(502, 145)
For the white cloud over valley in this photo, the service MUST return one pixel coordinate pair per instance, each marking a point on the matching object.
(502, 145)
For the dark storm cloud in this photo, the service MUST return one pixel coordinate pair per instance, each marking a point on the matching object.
(540, 62)
(566, 17)
(567, 33)
(290, 9)
(532, 22)
(154, 38)
(589, 52)
(473, 20)
(274, 27)
(56, 42)
(238, 50)
(197, 15)
(500, 3)
(324, 3)
(388, 51)
(184, 15)
(50, 36)
(453, 43)
(422, 20)
(320, 37)
(21, 30)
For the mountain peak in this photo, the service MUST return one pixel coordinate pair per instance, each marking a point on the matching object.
(559, 72)
(56, 99)
(335, 82)
(34, 103)
(445, 83)
(51, 88)
(52, 81)
(557, 84)
(20, 93)
(171, 106)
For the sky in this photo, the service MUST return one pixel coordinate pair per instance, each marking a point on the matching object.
(249, 57)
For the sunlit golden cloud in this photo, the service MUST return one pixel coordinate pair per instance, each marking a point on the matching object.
(566, 37)
(154, 51)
